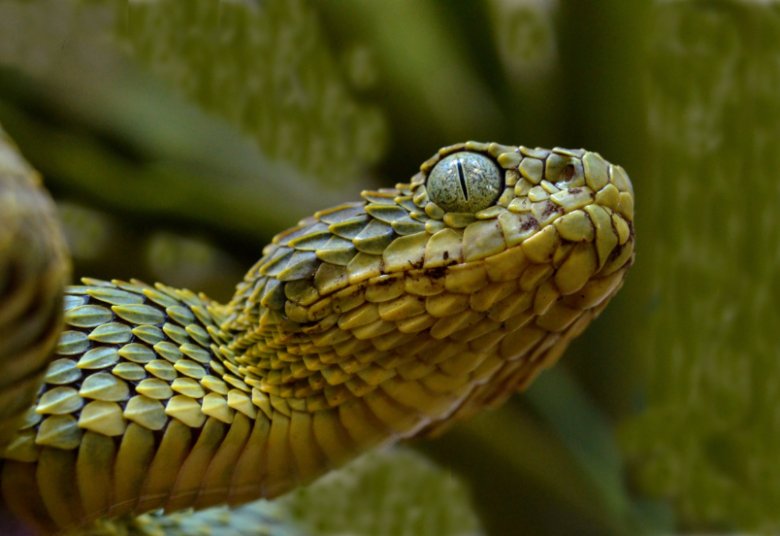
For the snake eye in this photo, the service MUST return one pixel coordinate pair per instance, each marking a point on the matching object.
(464, 182)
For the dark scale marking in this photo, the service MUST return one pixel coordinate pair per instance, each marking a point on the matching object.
(549, 208)
(437, 272)
(529, 224)
(462, 181)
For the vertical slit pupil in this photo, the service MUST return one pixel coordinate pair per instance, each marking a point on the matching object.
(462, 180)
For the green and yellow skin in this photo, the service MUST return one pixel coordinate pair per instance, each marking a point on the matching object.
(366, 323)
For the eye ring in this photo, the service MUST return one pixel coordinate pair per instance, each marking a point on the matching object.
(465, 182)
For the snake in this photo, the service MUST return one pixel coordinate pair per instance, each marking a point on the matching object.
(386, 318)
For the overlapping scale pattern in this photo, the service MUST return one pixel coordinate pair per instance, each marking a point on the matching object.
(368, 322)
(132, 359)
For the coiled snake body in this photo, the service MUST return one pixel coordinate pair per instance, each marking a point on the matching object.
(368, 322)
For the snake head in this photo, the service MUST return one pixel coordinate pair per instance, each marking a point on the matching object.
(442, 295)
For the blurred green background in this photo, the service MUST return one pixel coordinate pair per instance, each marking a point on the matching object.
(178, 136)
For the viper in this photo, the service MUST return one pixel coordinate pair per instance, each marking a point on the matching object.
(386, 318)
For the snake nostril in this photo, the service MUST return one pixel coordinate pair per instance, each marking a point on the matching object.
(567, 173)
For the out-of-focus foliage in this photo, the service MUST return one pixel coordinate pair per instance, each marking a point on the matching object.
(524, 35)
(261, 66)
(102, 127)
(143, 149)
(386, 493)
(708, 434)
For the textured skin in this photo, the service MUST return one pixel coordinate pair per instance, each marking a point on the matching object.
(33, 273)
(366, 323)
